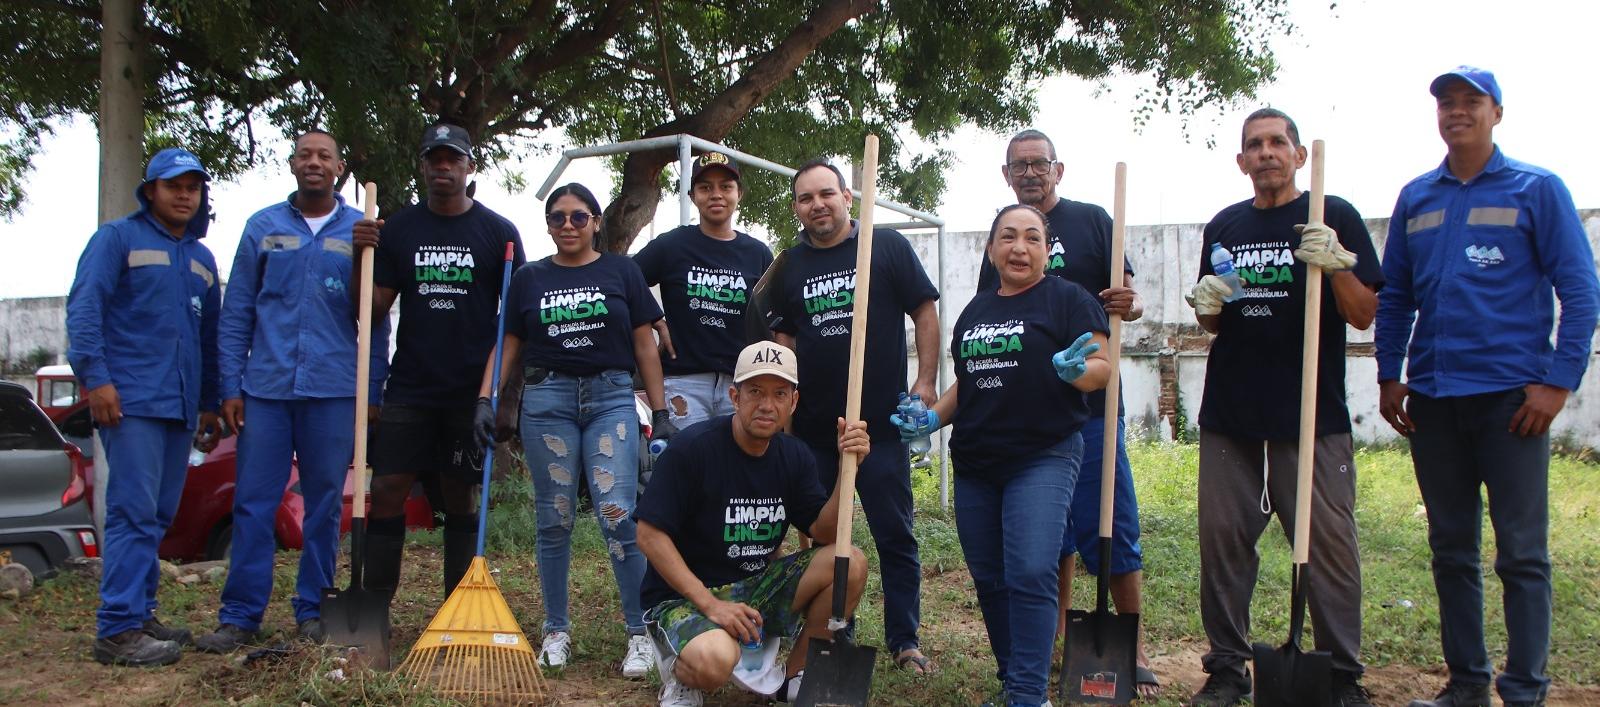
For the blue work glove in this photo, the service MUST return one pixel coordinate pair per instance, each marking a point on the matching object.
(911, 428)
(1073, 361)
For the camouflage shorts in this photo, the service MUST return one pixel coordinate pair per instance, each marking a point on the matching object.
(676, 621)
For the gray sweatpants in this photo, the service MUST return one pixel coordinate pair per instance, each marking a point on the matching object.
(1232, 520)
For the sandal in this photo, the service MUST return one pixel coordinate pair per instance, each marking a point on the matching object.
(1145, 679)
(913, 659)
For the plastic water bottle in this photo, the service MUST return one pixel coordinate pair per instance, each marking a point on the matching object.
(1222, 265)
(196, 457)
(750, 654)
(657, 446)
(920, 446)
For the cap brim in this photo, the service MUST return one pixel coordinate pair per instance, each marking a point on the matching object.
(1443, 79)
(178, 171)
(699, 172)
(747, 375)
(449, 146)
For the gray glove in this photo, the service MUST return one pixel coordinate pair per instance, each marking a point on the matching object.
(1319, 246)
(1208, 294)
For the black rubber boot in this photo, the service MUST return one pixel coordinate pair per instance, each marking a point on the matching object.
(386, 543)
(459, 549)
(136, 649)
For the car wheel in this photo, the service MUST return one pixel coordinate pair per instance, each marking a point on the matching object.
(220, 546)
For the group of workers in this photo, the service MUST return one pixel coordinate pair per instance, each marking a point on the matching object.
(1462, 298)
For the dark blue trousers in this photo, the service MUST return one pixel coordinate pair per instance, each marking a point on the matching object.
(1462, 445)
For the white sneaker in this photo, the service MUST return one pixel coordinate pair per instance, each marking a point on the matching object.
(677, 694)
(555, 651)
(641, 654)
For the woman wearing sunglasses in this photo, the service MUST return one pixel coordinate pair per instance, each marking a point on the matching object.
(579, 323)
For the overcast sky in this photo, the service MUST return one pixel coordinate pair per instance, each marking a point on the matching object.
(1355, 75)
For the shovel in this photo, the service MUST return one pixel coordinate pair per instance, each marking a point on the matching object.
(358, 617)
(1101, 654)
(1288, 676)
(838, 672)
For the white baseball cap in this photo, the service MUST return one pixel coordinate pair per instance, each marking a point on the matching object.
(766, 358)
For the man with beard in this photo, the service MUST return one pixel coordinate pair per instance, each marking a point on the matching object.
(288, 365)
(813, 304)
(1079, 250)
(442, 259)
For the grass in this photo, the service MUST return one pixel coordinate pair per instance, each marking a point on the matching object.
(45, 638)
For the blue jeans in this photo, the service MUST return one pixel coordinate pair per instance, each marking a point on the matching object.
(1083, 528)
(696, 397)
(151, 458)
(320, 434)
(1461, 445)
(584, 428)
(883, 483)
(1010, 530)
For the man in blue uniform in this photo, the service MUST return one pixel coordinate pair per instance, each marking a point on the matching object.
(288, 363)
(142, 337)
(1477, 248)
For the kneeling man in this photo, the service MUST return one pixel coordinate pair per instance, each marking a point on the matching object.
(722, 499)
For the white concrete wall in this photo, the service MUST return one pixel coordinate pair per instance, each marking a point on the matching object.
(1166, 260)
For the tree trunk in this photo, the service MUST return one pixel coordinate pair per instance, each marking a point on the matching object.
(636, 202)
(121, 108)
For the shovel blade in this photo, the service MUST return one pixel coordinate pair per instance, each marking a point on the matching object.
(1289, 677)
(837, 673)
(1100, 657)
(359, 619)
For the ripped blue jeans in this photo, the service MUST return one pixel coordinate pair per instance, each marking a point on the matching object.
(584, 429)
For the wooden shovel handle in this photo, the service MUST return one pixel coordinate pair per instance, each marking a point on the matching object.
(1108, 442)
(363, 360)
(1308, 375)
(858, 342)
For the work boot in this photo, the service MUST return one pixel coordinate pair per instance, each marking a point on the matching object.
(383, 556)
(1536, 703)
(459, 549)
(1222, 689)
(311, 630)
(162, 632)
(226, 639)
(1456, 694)
(1347, 690)
(136, 649)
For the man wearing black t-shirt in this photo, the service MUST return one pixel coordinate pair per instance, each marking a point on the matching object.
(443, 260)
(711, 525)
(812, 301)
(1250, 413)
(706, 272)
(1079, 250)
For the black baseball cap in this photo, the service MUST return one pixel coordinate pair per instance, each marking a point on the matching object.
(446, 135)
(712, 160)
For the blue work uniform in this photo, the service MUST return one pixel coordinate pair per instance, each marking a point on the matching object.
(1478, 264)
(142, 316)
(288, 350)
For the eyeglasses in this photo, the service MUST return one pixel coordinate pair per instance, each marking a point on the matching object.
(1020, 168)
(556, 219)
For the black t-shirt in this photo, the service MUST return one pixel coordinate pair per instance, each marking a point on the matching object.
(726, 511)
(1080, 251)
(705, 290)
(814, 301)
(1253, 373)
(579, 320)
(1010, 402)
(448, 271)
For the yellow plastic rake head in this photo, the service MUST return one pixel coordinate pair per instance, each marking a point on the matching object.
(473, 650)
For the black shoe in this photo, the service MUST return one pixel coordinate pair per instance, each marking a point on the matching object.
(1222, 689)
(1536, 703)
(135, 649)
(162, 632)
(311, 630)
(226, 639)
(1347, 690)
(1458, 695)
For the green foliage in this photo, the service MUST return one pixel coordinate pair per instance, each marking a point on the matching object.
(227, 77)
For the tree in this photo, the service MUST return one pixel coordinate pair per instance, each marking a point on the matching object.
(787, 80)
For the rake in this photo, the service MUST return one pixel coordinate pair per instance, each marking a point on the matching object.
(473, 650)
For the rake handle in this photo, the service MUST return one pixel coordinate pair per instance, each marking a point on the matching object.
(494, 395)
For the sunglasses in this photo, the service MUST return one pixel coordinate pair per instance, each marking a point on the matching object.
(556, 219)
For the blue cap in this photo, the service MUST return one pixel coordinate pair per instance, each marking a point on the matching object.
(1481, 80)
(172, 162)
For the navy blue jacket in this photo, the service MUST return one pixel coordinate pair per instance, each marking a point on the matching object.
(288, 328)
(142, 315)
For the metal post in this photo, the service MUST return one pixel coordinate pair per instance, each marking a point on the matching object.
(685, 169)
(944, 437)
